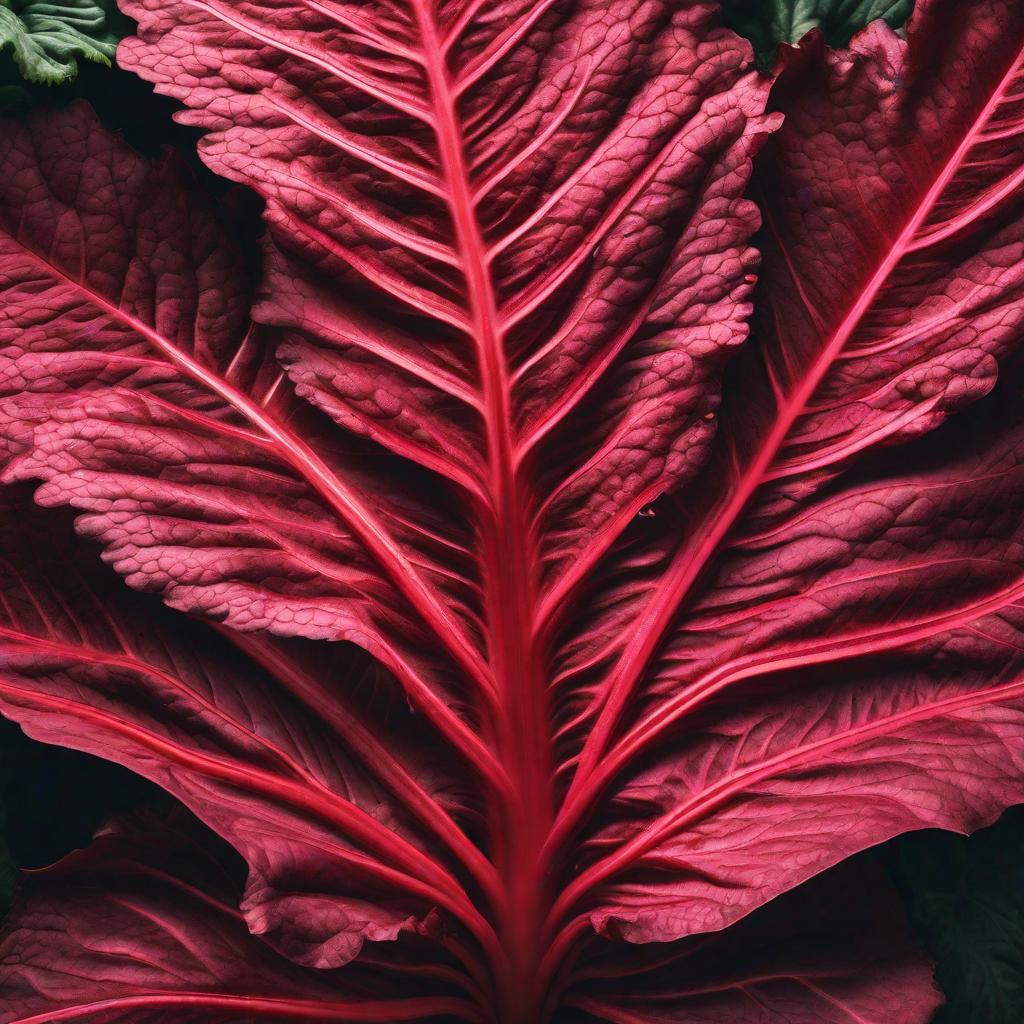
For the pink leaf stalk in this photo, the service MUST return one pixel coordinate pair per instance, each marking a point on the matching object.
(553, 616)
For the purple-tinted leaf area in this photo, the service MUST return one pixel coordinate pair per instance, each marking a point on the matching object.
(541, 585)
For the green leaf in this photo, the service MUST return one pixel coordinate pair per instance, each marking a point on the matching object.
(766, 23)
(47, 38)
(966, 899)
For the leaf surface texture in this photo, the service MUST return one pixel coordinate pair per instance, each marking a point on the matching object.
(556, 613)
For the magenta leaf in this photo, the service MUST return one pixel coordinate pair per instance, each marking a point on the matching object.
(140, 927)
(554, 614)
(291, 789)
(835, 950)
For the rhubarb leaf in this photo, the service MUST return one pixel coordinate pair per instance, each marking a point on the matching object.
(913, 620)
(666, 620)
(143, 916)
(836, 592)
(835, 950)
(146, 400)
(276, 779)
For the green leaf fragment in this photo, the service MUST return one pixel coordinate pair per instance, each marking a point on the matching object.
(46, 38)
(766, 23)
(966, 899)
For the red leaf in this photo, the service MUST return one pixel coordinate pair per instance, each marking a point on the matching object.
(140, 398)
(833, 951)
(139, 927)
(670, 631)
(297, 786)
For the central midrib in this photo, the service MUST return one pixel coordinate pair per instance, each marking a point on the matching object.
(520, 823)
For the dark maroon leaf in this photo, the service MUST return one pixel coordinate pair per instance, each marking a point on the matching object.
(655, 622)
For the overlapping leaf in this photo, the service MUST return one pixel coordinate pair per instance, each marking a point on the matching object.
(832, 593)
(171, 949)
(766, 23)
(835, 950)
(140, 927)
(47, 39)
(334, 827)
(688, 625)
(135, 386)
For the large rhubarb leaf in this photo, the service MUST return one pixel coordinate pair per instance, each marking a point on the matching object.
(665, 623)
(221, 499)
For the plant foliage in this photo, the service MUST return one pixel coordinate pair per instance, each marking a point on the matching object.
(535, 584)
(766, 23)
(42, 41)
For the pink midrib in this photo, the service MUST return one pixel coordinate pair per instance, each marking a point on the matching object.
(520, 821)
(656, 618)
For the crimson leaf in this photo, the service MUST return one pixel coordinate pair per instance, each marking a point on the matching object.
(140, 927)
(669, 655)
(829, 952)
